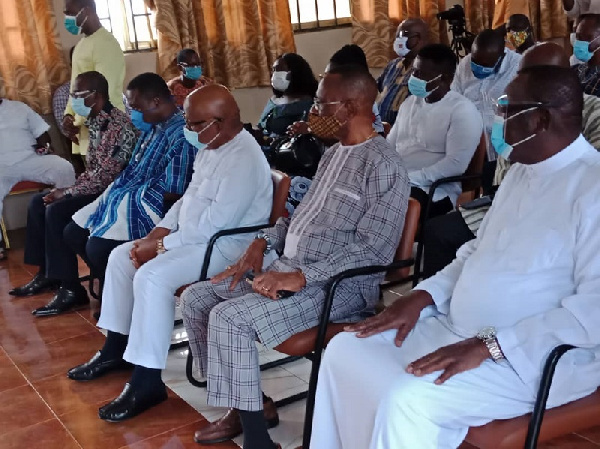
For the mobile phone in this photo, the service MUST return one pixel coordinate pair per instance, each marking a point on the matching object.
(281, 294)
(479, 202)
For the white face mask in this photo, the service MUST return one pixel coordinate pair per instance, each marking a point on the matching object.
(280, 81)
(572, 38)
(400, 46)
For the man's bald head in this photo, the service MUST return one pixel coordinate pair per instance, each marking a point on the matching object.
(212, 112)
(545, 53)
(213, 100)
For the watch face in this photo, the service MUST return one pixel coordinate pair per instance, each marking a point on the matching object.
(487, 332)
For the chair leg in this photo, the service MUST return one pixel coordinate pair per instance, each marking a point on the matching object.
(189, 371)
(4, 233)
(310, 400)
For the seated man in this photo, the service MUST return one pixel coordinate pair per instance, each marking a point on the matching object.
(113, 139)
(446, 234)
(585, 49)
(411, 36)
(519, 33)
(161, 165)
(352, 216)
(437, 130)
(482, 76)
(469, 344)
(25, 151)
(191, 77)
(231, 188)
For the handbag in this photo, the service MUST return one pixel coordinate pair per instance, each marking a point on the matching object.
(297, 155)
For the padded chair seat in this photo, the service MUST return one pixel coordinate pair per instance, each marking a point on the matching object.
(27, 186)
(511, 433)
(304, 342)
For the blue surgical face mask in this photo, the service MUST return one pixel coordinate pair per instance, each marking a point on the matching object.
(193, 72)
(418, 87)
(498, 137)
(137, 118)
(193, 137)
(71, 23)
(480, 72)
(581, 50)
(78, 105)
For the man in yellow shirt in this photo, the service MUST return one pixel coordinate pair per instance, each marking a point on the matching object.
(97, 51)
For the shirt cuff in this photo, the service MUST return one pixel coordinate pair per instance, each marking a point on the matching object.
(439, 296)
(173, 240)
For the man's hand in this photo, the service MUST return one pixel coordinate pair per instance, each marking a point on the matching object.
(251, 260)
(54, 195)
(453, 359)
(401, 316)
(269, 283)
(143, 250)
(70, 129)
(297, 128)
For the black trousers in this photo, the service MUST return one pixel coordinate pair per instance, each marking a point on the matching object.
(443, 236)
(44, 244)
(93, 250)
(440, 207)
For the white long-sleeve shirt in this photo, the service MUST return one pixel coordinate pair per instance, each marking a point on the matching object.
(436, 140)
(584, 7)
(483, 93)
(533, 271)
(231, 187)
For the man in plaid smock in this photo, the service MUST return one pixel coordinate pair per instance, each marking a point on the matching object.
(352, 216)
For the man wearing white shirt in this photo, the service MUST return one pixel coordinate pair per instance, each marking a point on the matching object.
(24, 151)
(436, 130)
(468, 345)
(231, 187)
(482, 76)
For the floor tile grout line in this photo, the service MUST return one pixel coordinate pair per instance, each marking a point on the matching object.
(587, 439)
(42, 399)
(2, 435)
(166, 431)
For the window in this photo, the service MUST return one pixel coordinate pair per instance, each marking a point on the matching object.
(130, 21)
(318, 14)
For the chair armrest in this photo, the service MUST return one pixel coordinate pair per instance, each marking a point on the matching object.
(447, 180)
(223, 233)
(539, 408)
(335, 281)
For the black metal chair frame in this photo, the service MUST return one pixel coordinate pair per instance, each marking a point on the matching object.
(425, 215)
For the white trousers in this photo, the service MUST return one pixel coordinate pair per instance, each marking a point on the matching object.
(49, 169)
(366, 400)
(140, 302)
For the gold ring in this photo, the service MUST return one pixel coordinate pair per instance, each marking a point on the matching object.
(265, 289)
(228, 267)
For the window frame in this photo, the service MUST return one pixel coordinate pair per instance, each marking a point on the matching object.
(130, 18)
(320, 25)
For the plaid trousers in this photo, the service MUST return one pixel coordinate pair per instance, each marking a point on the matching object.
(223, 327)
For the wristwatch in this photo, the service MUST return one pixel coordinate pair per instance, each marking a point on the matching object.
(488, 336)
(265, 237)
(160, 247)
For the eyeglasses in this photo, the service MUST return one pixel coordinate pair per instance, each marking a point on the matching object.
(201, 125)
(82, 93)
(319, 105)
(408, 35)
(507, 108)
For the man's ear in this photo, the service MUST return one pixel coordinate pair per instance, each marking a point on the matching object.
(542, 120)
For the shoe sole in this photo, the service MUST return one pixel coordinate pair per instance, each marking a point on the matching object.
(72, 309)
(270, 424)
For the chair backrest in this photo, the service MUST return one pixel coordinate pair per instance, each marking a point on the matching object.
(281, 187)
(476, 166)
(405, 248)
(28, 186)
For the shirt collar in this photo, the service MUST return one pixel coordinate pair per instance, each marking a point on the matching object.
(560, 160)
(102, 116)
(175, 117)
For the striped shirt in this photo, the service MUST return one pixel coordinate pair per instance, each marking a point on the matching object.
(589, 76)
(130, 208)
(393, 85)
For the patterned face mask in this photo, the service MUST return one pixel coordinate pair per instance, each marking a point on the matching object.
(517, 38)
(325, 127)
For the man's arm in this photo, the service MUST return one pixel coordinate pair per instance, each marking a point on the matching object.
(462, 139)
(457, 82)
(575, 321)
(379, 229)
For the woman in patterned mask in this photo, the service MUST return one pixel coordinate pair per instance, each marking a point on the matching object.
(519, 33)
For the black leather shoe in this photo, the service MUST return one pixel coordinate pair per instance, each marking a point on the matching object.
(63, 301)
(38, 284)
(131, 403)
(96, 367)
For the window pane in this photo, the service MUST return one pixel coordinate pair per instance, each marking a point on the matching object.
(342, 8)
(294, 10)
(326, 11)
(106, 24)
(308, 12)
(142, 30)
(102, 9)
(138, 6)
